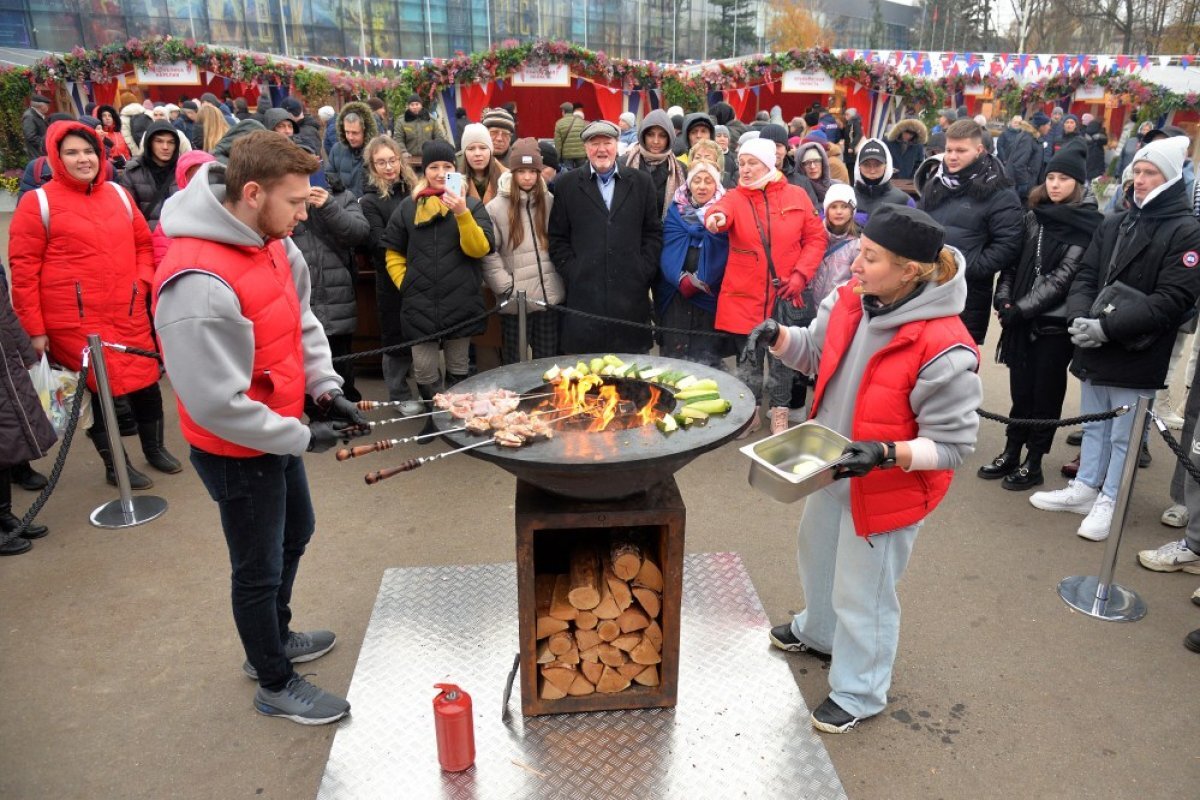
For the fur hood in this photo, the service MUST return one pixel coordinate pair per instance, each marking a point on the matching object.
(370, 127)
(914, 125)
(1025, 126)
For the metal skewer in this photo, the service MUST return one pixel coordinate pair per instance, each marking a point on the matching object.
(375, 477)
(371, 405)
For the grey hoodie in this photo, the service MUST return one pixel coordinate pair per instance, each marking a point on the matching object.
(208, 346)
(948, 389)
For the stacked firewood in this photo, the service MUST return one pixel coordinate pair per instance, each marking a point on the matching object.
(598, 626)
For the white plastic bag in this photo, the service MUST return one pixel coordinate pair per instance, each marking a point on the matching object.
(56, 387)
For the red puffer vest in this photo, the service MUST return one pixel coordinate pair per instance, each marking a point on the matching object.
(888, 499)
(261, 277)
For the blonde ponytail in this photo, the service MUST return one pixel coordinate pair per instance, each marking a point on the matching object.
(939, 271)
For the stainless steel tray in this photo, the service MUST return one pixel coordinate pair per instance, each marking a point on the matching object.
(792, 465)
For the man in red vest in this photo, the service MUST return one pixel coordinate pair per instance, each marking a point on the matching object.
(243, 349)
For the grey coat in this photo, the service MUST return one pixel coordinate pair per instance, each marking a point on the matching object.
(327, 239)
(25, 432)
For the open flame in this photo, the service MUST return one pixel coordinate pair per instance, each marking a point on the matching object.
(591, 404)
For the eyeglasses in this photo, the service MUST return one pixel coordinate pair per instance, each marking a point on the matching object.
(391, 162)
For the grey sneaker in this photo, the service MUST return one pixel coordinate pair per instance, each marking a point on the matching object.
(302, 702)
(300, 647)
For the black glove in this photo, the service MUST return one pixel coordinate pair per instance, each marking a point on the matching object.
(1008, 314)
(863, 457)
(324, 435)
(334, 407)
(765, 333)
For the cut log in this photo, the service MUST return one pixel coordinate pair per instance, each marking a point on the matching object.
(649, 576)
(612, 681)
(561, 642)
(654, 633)
(626, 559)
(592, 654)
(627, 642)
(631, 620)
(613, 657)
(593, 670)
(544, 655)
(586, 578)
(645, 653)
(551, 692)
(561, 676)
(631, 670)
(587, 639)
(586, 620)
(608, 630)
(648, 676)
(543, 593)
(580, 687)
(569, 657)
(649, 600)
(619, 588)
(560, 607)
(607, 608)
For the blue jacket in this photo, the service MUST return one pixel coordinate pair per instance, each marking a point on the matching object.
(678, 236)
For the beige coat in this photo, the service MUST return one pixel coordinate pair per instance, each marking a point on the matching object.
(507, 271)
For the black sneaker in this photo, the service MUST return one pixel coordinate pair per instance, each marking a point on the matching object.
(832, 718)
(1144, 457)
(1192, 641)
(300, 647)
(1075, 438)
(782, 637)
(302, 702)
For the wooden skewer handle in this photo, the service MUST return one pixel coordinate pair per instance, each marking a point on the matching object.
(347, 453)
(375, 477)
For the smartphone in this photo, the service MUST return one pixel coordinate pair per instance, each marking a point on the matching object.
(454, 183)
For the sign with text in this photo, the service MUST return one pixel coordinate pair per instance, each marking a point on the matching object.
(180, 73)
(538, 75)
(1092, 93)
(796, 81)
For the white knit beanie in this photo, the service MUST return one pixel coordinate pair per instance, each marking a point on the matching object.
(476, 133)
(704, 166)
(762, 149)
(1167, 155)
(840, 193)
(629, 119)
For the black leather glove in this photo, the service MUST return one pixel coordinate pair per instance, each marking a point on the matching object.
(863, 457)
(334, 407)
(324, 435)
(765, 334)
(1008, 314)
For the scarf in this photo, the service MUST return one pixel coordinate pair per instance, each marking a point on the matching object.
(762, 182)
(981, 177)
(429, 208)
(639, 159)
(953, 180)
(692, 213)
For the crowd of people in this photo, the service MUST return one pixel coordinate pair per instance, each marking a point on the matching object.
(803, 250)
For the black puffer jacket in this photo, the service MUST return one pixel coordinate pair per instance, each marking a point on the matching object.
(25, 433)
(1018, 148)
(327, 239)
(377, 210)
(1097, 139)
(442, 284)
(984, 220)
(150, 183)
(1157, 256)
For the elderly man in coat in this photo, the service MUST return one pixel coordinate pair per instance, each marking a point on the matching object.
(605, 240)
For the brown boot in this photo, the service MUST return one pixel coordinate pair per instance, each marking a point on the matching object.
(1072, 469)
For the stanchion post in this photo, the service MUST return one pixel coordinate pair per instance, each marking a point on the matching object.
(522, 318)
(127, 510)
(1097, 596)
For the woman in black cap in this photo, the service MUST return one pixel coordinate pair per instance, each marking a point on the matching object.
(1030, 303)
(897, 374)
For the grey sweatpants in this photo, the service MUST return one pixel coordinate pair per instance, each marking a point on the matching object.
(1191, 489)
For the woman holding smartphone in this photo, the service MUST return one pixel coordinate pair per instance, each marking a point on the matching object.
(435, 242)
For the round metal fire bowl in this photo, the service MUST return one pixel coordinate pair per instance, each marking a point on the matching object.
(604, 465)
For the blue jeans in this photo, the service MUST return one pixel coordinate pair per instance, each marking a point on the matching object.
(851, 608)
(1102, 454)
(267, 517)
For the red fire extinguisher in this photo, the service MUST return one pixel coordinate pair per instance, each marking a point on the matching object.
(455, 728)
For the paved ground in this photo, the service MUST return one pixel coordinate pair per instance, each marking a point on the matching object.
(121, 665)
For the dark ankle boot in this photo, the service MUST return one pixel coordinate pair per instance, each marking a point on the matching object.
(137, 480)
(151, 434)
(125, 419)
(452, 379)
(25, 476)
(1026, 476)
(427, 391)
(10, 522)
(1002, 464)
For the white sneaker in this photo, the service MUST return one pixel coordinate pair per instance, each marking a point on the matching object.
(1170, 418)
(1176, 516)
(1096, 524)
(1077, 498)
(1171, 557)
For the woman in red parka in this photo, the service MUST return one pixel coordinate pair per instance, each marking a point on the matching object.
(86, 268)
(776, 243)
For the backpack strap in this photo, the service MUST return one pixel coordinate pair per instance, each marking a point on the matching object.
(44, 207)
(124, 199)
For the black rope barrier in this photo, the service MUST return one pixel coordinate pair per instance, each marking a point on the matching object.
(627, 322)
(1054, 423)
(1176, 448)
(433, 337)
(133, 351)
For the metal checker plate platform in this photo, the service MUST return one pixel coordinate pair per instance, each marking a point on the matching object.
(740, 729)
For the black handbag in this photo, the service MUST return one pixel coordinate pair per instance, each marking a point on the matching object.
(1121, 298)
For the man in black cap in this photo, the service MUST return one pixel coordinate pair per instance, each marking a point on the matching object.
(185, 123)
(308, 130)
(873, 185)
(34, 125)
(417, 127)
(571, 153)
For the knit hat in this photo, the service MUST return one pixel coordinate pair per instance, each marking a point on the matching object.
(476, 134)
(747, 136)
(326, 113)
(1167, 155)
(171, 107)
(209, 97)
(675, 111)
(720, 130)
(907, 232)
(840, 193)
(1071, 161)
(499, 118)
(1039, 119)
(413, 98)
(760, 148)
(525, 154)
(189, 105)
(818, 136)
(704, 166)
(872, 150)
(600, 127)
(292, 106)
(629, 119)
(91, 122)
(962, 112)
(549, 154)
(775, 133)
(438, 150)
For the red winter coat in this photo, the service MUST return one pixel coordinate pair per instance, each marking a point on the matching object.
(90, 273)
(797, 238)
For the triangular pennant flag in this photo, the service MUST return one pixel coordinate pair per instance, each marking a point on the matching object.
(1164, 61)
(500, 83)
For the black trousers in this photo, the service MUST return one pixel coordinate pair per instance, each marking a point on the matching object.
(341, 344)
(1038, 386)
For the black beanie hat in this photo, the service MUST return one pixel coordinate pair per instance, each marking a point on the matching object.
(1071, 161)
(775, 133)
(436, 150)
(907, 232)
